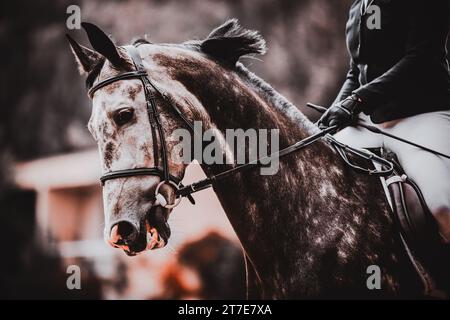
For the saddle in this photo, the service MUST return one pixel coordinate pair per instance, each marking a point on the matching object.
(417, 227)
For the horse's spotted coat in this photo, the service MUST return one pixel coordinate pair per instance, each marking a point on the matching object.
(310, 230)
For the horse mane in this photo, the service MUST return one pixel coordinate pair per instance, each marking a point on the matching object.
(274, 98)
(226, 44)
(229, 42)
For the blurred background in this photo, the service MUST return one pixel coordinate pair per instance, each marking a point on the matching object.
(51, 212)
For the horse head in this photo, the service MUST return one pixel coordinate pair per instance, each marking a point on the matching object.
(134, 218)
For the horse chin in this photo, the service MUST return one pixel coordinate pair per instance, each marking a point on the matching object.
(158, 230)
(133, 249)
(151, 240)
(154, 235)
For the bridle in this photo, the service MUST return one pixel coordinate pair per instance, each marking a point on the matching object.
(151, 91)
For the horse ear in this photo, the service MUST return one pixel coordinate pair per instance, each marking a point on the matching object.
(228, 42)
(103, 44)
(85, 58)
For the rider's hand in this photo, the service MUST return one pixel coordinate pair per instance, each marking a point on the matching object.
(342, 113)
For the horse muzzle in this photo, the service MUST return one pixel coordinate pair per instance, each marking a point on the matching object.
(153, 232)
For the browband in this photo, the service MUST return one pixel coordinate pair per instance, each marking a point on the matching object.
(121, 76)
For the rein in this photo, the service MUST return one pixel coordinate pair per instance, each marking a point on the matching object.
(150, 91)
(341, 148)
(384, 133)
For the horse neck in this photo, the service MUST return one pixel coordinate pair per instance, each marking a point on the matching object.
(284, 221)
(256, 202)
(245, 101)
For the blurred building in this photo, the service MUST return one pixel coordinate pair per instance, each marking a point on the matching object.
(69, 220)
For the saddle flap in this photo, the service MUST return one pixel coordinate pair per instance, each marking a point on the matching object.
(410, 209)
(412, 213)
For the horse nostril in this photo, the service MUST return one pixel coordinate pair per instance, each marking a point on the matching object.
(122, 232)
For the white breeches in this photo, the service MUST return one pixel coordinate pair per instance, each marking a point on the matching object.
(430, 172)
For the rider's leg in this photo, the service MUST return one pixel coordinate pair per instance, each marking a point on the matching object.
(358, 137)
(430, 172)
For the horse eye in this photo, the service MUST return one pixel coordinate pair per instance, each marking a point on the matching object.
(123, 116)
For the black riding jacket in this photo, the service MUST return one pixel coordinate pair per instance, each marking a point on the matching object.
(401, 68)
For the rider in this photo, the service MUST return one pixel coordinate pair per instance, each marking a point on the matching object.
(399, 80)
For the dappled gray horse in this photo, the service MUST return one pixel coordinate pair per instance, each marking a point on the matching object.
(311, 230)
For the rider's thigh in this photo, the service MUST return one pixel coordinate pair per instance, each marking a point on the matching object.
(358, 137)
(429, 171)
(431, 130)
